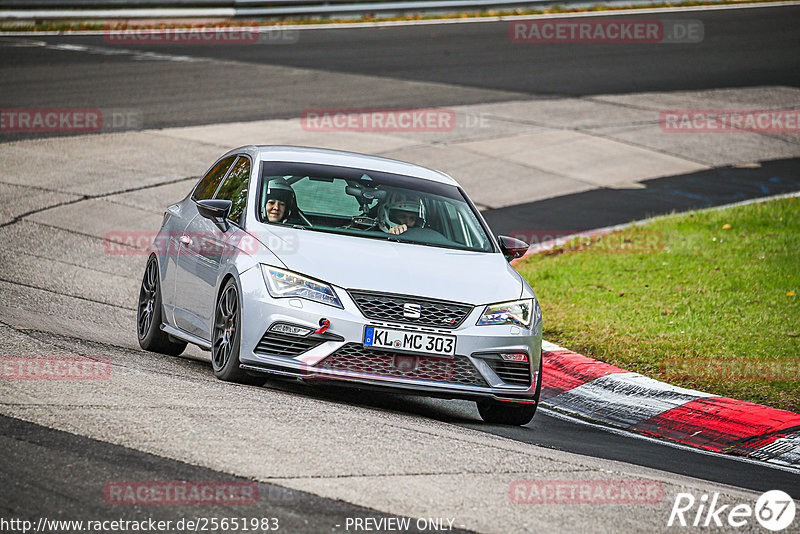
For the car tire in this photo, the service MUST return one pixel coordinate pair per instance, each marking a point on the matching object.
(226, 338)
(510, 413)
(149, 315)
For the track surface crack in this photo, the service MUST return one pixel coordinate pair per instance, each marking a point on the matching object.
(84, 197)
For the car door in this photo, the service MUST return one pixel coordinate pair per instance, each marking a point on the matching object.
(176, 219)
(203, 247)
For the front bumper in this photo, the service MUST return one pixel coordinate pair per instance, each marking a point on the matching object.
(475, 372)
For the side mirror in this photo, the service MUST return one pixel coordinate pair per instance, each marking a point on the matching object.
(215, 210)
(512, 248)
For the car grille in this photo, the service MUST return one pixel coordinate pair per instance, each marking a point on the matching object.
(355, 358)
(386, 307)
(273, 344)
(516, 373)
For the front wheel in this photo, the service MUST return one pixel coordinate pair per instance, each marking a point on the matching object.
(226, 338)
(511, 413)
(148, 315)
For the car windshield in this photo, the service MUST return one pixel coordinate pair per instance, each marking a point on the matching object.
(368, 204)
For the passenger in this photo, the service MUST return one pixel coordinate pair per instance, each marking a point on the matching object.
(280, 202)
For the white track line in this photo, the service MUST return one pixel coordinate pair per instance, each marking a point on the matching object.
(110, 50)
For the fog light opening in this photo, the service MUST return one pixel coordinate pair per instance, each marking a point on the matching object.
(515, 357)
(290, 329)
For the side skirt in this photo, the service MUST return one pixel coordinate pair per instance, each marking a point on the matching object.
(185, 336)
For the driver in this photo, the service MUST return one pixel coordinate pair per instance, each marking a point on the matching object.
(280, 202)
(401, 215)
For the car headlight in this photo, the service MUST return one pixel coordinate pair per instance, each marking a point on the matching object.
(518, 312)
(283, 284)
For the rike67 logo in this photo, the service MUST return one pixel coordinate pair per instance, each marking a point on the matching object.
(774, 510)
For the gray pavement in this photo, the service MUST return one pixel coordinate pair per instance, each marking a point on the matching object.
(392, 462)
(503, 153)
(68, 481)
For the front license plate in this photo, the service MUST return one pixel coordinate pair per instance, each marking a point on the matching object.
(409, 341)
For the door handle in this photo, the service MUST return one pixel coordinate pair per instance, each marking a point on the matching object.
(186, 240)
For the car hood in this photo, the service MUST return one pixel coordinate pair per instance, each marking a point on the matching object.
(375, 265)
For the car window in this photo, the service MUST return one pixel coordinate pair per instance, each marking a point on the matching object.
(375, 205)
(234, 188)
(208, 185)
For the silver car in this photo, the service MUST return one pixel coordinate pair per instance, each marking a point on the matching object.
(323, 265)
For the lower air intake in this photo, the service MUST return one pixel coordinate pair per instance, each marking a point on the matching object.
(357, 359)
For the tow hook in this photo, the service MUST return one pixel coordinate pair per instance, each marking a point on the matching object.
(323, 325)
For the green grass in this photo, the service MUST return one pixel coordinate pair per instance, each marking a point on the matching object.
(708, 300)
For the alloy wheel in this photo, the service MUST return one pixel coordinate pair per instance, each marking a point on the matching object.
(147, 298)
(226, 324)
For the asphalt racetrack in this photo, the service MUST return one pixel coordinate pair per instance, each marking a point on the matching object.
(461, 63)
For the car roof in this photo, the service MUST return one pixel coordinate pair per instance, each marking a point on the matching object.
(343, 158)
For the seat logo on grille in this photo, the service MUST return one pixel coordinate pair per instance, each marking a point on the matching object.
(412, 311)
